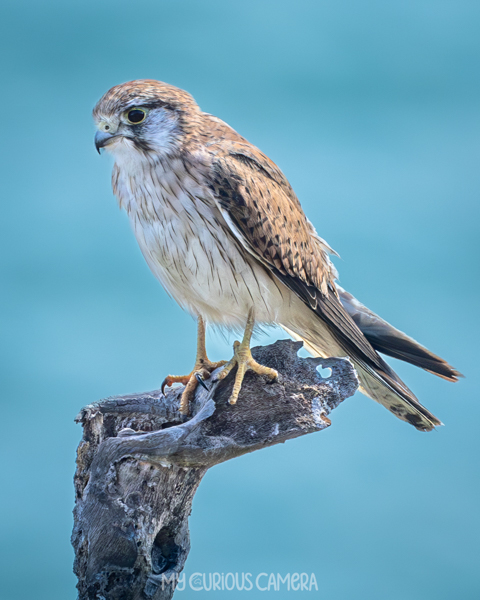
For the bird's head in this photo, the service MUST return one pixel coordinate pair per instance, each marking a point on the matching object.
(143, 117)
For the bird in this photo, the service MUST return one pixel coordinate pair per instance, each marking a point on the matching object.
(223, 231)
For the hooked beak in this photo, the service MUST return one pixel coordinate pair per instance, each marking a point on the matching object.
(102, 138)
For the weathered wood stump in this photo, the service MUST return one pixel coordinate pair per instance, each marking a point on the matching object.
(140, 462)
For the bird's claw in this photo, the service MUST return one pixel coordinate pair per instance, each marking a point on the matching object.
(201, 381)
(197, 377)
(244, 361)
(171, 379)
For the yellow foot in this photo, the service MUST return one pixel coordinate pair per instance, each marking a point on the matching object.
(201, 372)
(244, 360)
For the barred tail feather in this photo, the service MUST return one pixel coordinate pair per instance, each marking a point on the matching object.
(394, 395)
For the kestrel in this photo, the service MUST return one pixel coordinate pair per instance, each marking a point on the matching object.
(223, 231)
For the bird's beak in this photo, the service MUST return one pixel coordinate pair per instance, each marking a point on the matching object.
(102, 138)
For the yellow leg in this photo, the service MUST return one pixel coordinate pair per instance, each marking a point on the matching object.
(201, 371)
(243, 359)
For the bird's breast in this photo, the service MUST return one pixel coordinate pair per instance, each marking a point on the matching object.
(190, 248)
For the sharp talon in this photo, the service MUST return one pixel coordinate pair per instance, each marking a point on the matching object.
(274, 378)
(171, 379)
(200, 380)
(164, 384)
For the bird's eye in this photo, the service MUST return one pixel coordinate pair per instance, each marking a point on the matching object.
(136, 116)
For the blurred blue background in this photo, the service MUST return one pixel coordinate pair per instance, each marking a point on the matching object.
(371, 109)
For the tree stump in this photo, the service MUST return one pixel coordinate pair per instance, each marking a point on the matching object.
(140, 462)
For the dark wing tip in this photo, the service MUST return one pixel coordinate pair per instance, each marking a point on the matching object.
(407, 349)
(453, 375)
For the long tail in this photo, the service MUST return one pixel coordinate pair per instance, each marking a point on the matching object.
(377, 379)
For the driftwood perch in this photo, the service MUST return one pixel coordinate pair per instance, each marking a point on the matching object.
(140, 462)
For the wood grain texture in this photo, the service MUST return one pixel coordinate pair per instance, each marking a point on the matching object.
(140, 462)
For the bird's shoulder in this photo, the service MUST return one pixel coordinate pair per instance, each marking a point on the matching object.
(228, 150)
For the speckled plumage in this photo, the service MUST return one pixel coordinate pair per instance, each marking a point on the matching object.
(222, 229)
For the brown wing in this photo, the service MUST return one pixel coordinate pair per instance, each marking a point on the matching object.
(264, 214)
(264, 209)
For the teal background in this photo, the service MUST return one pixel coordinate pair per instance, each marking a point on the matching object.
(371, 108)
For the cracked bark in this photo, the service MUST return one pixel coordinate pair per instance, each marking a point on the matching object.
(140, 462)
